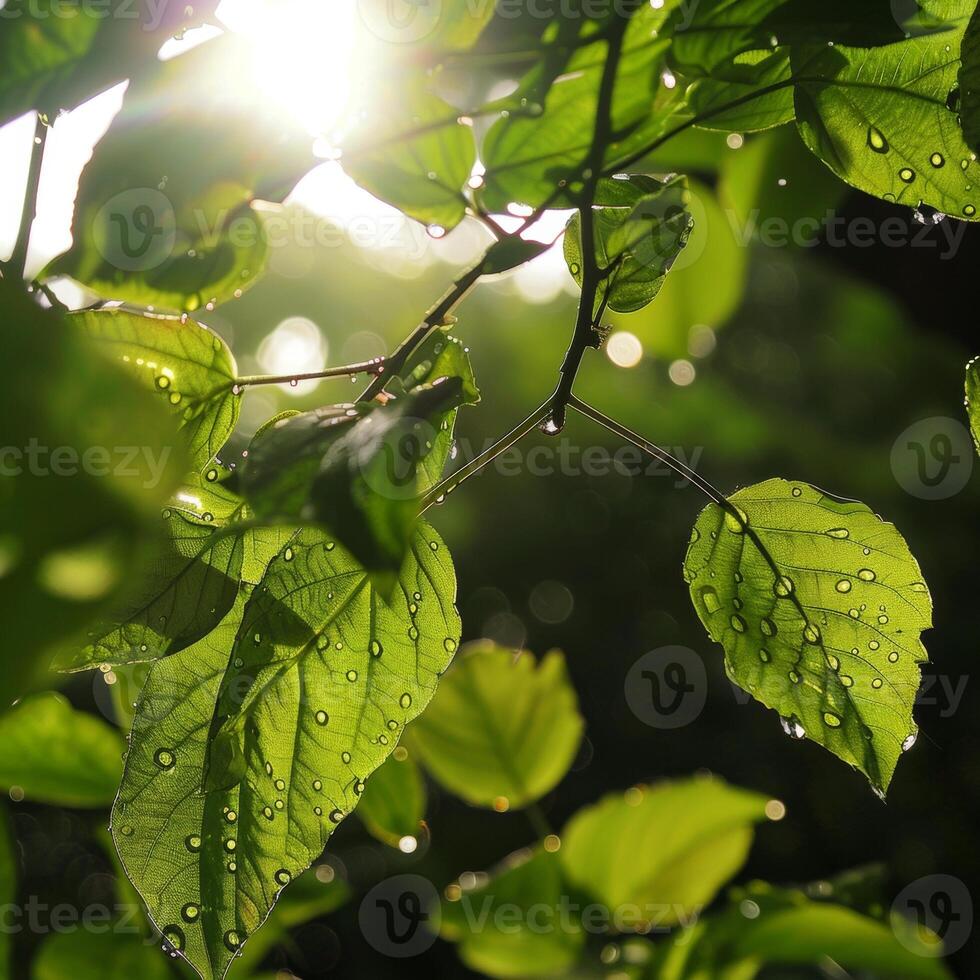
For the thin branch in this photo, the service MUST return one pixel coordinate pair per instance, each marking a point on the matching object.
(439, 492)
(375, 367)
(17, 264)
(584, 335)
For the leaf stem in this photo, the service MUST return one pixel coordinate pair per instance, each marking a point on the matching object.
(447, 486)
(17, 264)
(375, 367)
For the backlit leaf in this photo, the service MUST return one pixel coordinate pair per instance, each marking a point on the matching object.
(393, 803)
(819, 605)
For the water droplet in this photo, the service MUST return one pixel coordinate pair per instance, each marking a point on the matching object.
(937, 159)
(267, 812)
(910, 740)
(376, 648)
(797, 491)
(893, 657)
(288, 554)
(165, 758)
(736, 522)
(174, 938)
(321, 717)
(709, 598)
(280, 784)
(336, 816)
(192, 843)
(405, 700)
(792, 727)
(317, 785)
(866, 575)
(876, 683)
(834, 662)
(811, 633)
(231, 816)
(844, 585)
(163, 382)
(232, 940)
(876, 140)
(847, 680)
(783, 586)
(969, 210)
(345, 757)
(874, 645)
(352, 675)
(449, 644)
(126, 830)
(768, 627)
(230, 844)
(831, 720)
(838, 532)
(738, 624)
(765, 656)
(907, 175)
(794, 677)
(283, 877)
(191, 912)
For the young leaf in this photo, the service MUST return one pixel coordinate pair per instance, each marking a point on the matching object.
(188, 366)
(393, 804)
(640, 226)
(885, 119)
(669, 846)
(973, 399)
(99, 953)
(528, 881)
(58, 755)
(159, 223)
(357, 470)
(418, 159)
(501, 727)
(819, 605)
(89, 461)
(280, 714)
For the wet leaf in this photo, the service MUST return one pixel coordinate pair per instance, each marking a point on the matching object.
(819, 605)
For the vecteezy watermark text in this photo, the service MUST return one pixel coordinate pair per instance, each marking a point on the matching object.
(36, 459)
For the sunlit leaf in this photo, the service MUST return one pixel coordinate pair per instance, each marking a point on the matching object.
(55, 59)
(524, 945)
(58, 755)
(640, 226)
(188, 366)
(89, 461)
(819, 605)
(885, 119)
(536, 153)
(281, 714)
(160, 223)
(393, 803)
(973, 399)
(665, 848)
(418, 159)
(501, 728)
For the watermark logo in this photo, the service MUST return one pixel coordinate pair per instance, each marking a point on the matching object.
(667, 687)
(136, 231)
(401, 21)
(933, 458)
(400, 916)
(940, 907)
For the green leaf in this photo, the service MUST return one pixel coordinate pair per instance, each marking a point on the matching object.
(973, 399)
(357, 470)
(393, 804)
(545, 138)
(280, 714)
(668, 847)
(417, 159)
(188, 367)
(58, 755)
(969, 79)
(501, 726)
(884, 119)
(85, 954)
(89, 461)
(640, 226)
(494, 941)
(819, 605)
(159, 223)
(187, 586)
(764, 926)
(54, 60)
